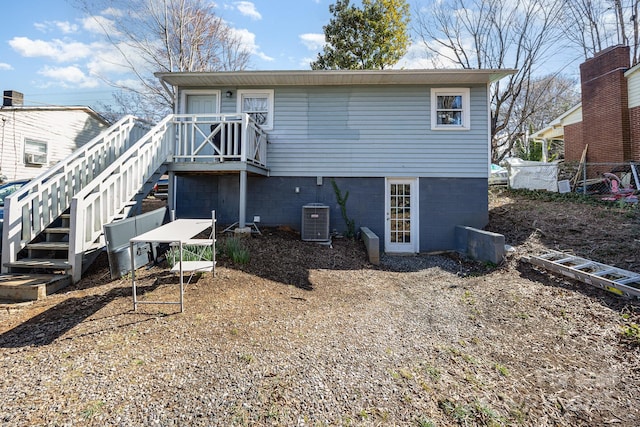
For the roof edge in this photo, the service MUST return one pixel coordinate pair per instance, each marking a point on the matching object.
(335, 77)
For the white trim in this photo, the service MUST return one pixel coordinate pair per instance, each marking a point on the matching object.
(258, 93)
(414, 245)
(185, 92)
(466, 107)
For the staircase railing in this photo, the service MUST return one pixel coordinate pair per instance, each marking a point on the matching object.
(37, 204)
(109, 193)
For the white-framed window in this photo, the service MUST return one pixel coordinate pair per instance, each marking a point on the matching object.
(450, 109)
(35, 152)
(258, 103)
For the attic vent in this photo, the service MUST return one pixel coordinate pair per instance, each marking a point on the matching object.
(315, 222)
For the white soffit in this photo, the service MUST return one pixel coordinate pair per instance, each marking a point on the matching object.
(334, 77)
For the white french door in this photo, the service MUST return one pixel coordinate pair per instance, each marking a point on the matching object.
(401, 215)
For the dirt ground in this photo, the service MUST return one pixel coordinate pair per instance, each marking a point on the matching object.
(425, 340)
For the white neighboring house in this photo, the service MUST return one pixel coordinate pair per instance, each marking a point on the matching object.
(34, 138)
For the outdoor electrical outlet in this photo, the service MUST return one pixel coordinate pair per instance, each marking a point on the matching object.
(256, 219)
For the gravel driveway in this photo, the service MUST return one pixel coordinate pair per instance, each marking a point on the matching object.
(323, 338)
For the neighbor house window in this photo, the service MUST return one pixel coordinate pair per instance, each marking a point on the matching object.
(450, 109)
(258, 104)
(35, 152)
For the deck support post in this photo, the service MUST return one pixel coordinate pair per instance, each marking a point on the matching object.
(242, 220)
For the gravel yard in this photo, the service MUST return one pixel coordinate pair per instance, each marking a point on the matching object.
(310, 335)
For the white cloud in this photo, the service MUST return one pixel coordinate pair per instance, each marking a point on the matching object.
(70, 76)
(306, 62)
(5, 66)
(416, 57)
(313, 41)
(247, 8)
(99, 25)
(248, 40)
(65, 27)
(110, 60)
(112, 11)
(58, 50)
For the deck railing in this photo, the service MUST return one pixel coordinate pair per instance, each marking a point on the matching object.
(219, 138)
(37, 204)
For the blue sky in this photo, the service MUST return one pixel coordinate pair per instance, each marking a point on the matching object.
(50, 52)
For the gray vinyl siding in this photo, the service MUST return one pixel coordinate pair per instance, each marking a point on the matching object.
(370, 131)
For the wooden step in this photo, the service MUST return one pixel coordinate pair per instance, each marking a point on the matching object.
(49, 246)
(58, 230)
(44, 263)
(31, 287)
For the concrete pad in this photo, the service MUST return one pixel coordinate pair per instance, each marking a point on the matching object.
(242, 232)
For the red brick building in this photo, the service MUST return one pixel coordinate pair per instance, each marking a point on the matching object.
(608, 118)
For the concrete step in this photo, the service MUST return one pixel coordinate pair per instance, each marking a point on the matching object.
(31, 287)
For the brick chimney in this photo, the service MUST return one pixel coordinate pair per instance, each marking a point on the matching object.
(605, 111)
(12, 98)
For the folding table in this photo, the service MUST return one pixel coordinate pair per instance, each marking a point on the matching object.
(180, 232)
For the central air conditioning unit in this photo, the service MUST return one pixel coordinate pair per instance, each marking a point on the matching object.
(315, 222)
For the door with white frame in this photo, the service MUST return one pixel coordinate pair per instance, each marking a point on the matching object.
(401, 215)
(206, 104)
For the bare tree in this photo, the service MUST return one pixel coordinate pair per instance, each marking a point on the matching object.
(594, 25)
(166, 36)
(496, 34)
(552, 95)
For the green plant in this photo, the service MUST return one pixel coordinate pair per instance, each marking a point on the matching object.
(425, 423)
(189, 253)
(631, 333)
(235, 249)
(92, 409)
(502, 370)
(342, 201)
(433, 372)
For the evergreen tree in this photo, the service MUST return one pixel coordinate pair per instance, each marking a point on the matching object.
(374, 37)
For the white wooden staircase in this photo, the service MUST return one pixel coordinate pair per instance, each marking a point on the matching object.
(53, 225)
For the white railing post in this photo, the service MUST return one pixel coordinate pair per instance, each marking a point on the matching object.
(245, 136)
(11, 232)
(76, 238)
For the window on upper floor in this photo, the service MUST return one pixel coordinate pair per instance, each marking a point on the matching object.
(35, 152)
(258, 104)
(450, 109)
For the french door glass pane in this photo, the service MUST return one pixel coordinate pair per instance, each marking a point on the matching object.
(400, 213)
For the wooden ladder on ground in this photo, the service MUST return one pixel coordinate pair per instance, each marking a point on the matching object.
(613, 279)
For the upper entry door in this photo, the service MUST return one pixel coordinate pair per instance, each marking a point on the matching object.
(401, 215)
(199, 138)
